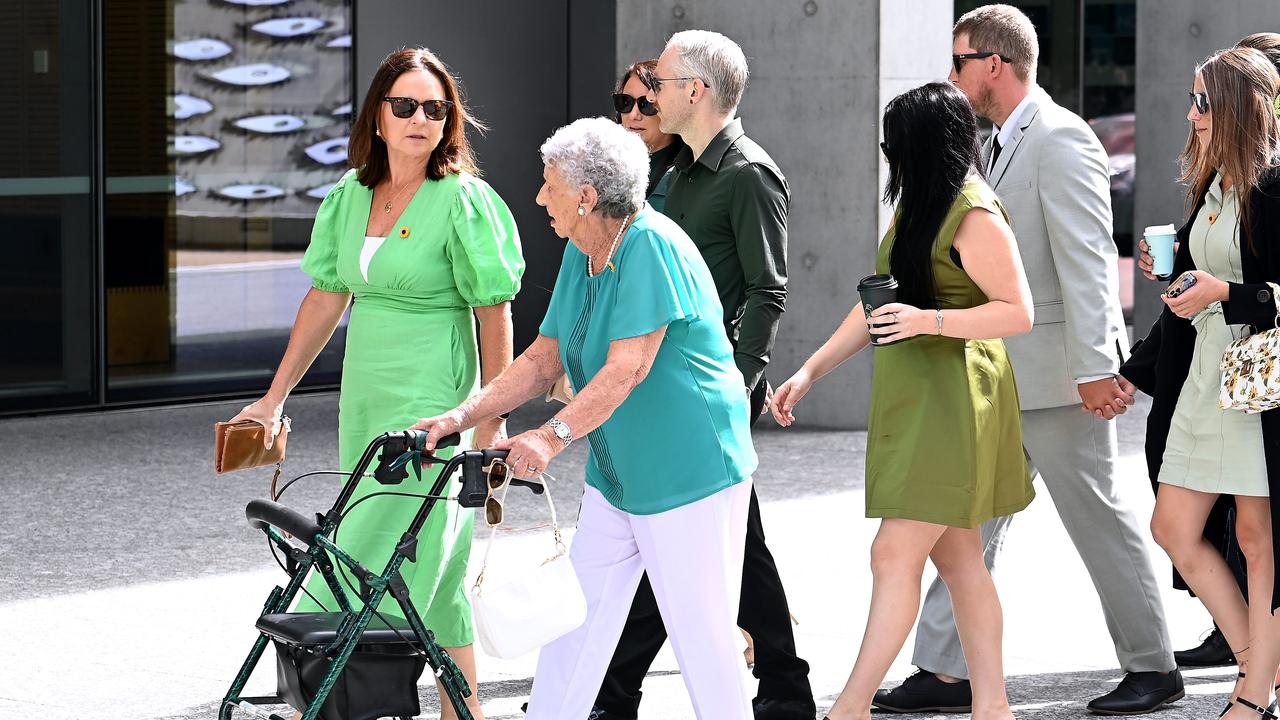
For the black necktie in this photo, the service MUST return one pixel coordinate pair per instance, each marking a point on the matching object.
(995, 151)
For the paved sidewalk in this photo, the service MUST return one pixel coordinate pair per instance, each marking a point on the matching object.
(131, 580)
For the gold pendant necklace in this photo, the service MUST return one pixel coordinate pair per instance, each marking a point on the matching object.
(387, 208)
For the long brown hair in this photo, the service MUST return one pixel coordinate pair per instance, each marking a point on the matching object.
(1268, 43)
(368, 152)
(1242, 85)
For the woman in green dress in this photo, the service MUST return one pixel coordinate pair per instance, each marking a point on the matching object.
(944, 444)
(425, 247)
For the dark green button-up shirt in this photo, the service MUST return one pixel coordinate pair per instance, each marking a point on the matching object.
(733, 201)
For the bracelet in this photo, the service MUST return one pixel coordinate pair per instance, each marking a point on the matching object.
(938, 315)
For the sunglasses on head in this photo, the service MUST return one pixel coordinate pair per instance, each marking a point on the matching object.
(623, 103)
(1200, 101)
(957, 59)
(404, 107)
(499, 479)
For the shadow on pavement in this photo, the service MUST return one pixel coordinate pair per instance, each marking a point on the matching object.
(1034, 697)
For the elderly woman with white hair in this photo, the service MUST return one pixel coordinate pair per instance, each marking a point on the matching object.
(636, 323)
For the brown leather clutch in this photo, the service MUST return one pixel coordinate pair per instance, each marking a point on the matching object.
(238, 445)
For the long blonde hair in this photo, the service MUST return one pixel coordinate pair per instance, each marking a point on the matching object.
(1242, 85)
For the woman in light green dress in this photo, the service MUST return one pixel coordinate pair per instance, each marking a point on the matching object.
(425, 247)
(1209, 449)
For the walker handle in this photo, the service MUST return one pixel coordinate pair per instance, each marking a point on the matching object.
(262, 513)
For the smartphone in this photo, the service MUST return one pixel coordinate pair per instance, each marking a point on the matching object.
(1181, 285)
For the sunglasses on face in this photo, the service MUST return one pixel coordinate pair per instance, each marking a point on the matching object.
(1200, 101)
(657, 82)
(404, 107)
(956, 60)
(623, 104)
(499, 478)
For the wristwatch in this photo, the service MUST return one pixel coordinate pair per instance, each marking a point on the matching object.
(561, 430)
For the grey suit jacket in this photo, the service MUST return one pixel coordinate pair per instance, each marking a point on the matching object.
(1054, 180)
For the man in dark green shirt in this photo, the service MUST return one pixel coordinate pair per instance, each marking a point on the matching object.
(732, 200)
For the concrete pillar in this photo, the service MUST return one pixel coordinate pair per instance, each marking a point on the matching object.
(821, 71)
(1173, 37)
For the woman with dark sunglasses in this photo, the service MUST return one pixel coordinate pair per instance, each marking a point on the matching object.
(1205, 460)
(426, 248)
(633, 103)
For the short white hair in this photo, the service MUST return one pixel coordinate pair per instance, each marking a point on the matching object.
(599, 152)
(714, 59)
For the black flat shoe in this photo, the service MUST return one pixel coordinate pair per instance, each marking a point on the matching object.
(1213, 652)
(1140, 693)
(924, 692)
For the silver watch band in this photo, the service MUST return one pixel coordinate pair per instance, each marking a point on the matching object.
(561, 430)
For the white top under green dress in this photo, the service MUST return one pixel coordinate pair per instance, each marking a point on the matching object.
(1209, 449)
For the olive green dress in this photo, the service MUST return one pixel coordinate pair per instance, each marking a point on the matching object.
(944, 441)
(411, 353)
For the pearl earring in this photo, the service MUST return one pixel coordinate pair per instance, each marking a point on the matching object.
(582, 210)
(377, 132)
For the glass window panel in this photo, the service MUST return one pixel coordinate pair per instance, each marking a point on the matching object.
(226, 121)
(47, 281)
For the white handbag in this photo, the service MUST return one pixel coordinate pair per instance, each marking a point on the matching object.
(1251, 369)
(520, 614)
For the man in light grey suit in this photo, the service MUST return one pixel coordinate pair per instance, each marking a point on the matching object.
(1051, 173)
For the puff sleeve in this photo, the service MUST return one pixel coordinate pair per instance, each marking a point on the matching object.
(656, 287)
(321, 258)
(484, 246)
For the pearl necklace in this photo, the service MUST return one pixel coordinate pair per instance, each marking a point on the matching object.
(608, 258)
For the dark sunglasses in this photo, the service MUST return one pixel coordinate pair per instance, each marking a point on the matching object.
(499, 478)
(404, 108)
(957, 59)
(623, 103)
(657, 82)
(1200, 101)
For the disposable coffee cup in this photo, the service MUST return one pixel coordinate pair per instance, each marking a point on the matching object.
(877, 290)
(1160, 239)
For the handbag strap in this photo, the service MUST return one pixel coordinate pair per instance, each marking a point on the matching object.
(546, 479)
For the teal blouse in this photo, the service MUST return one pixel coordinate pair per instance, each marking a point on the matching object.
(682, 434)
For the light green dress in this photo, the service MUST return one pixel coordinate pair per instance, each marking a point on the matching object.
(944, 439)
(1210, 449)
(411, 353)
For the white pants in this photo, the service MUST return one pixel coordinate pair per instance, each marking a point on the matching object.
(693, 555)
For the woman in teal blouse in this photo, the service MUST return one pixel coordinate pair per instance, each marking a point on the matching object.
(425, 247)
(636, 322)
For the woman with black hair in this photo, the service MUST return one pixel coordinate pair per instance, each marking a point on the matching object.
(944, 447)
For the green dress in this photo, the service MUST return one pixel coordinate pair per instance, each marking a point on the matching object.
(944, 440)
(411, 353)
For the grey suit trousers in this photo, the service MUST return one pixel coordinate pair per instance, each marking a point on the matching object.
(1074, 453)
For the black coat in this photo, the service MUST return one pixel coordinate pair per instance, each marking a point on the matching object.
(1160, 362)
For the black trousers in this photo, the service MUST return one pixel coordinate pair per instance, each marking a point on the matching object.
(763, 613)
